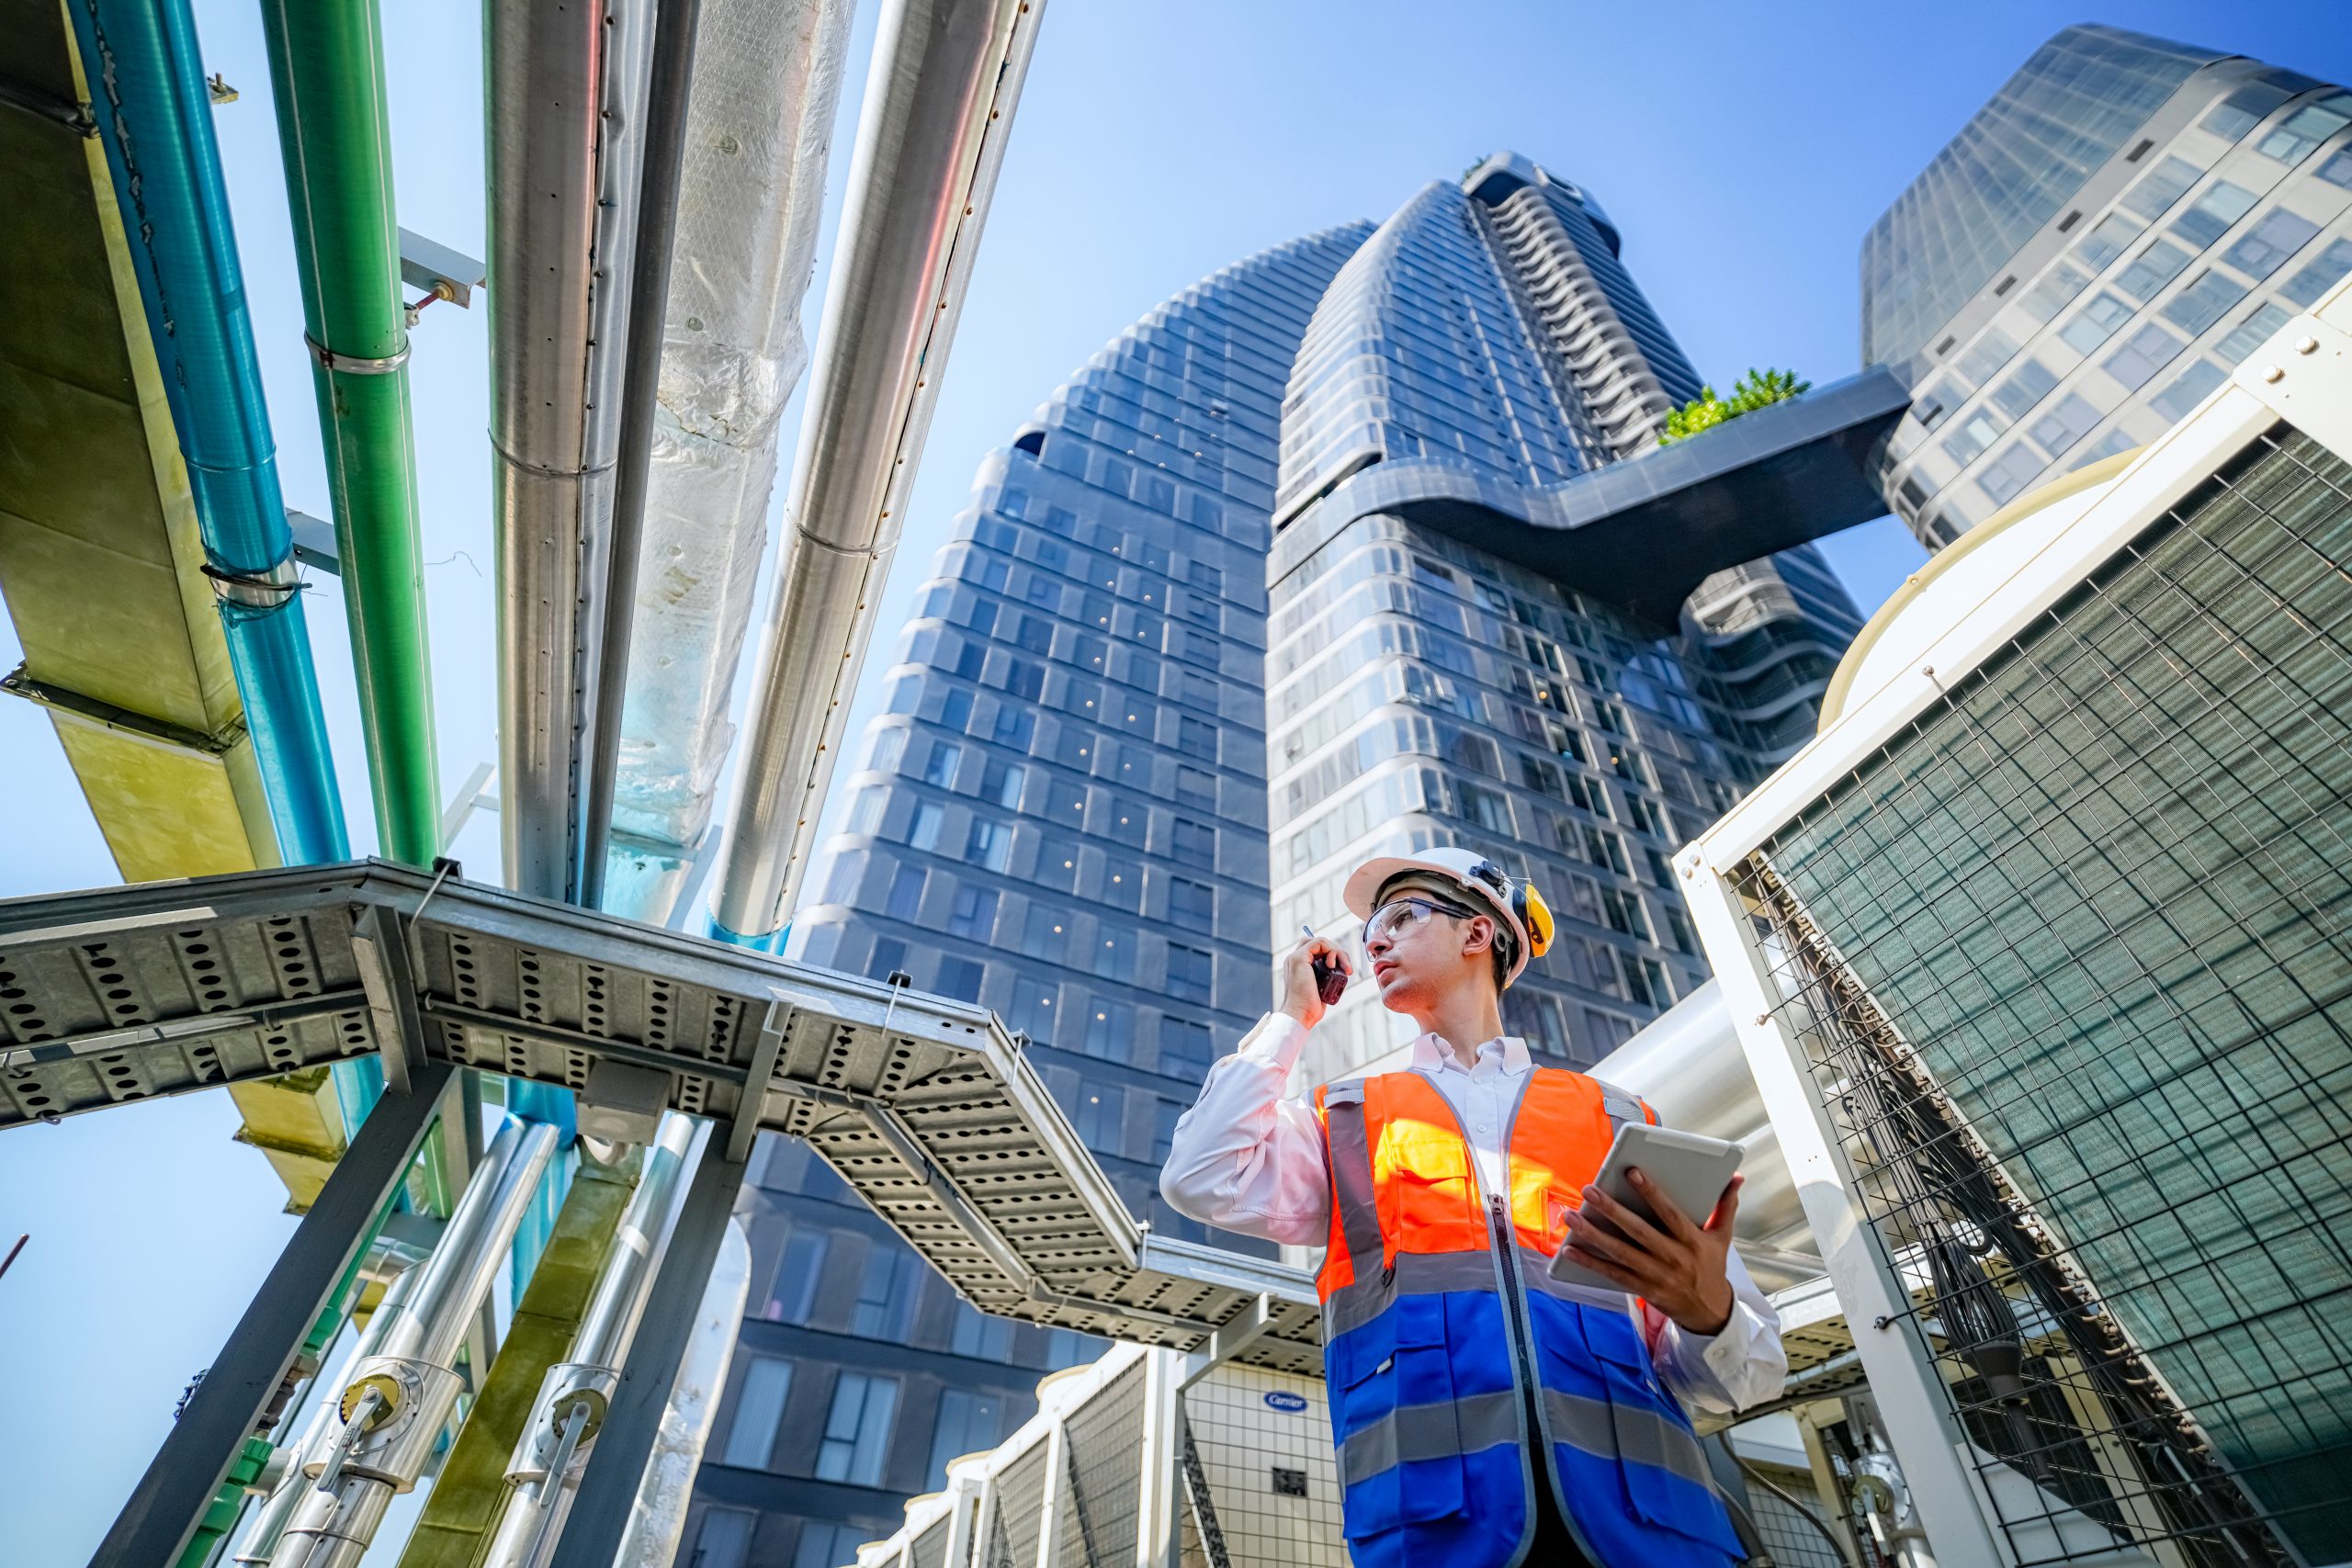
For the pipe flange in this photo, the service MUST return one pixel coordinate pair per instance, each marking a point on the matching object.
(566, 1385)
(352, 363)
(413, 1401)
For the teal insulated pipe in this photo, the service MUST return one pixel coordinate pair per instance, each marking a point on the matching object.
(155, 114)
(326, 67)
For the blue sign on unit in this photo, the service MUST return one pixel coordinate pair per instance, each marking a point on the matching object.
(1293, 1403)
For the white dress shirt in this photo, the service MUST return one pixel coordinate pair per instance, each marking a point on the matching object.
(1246, 1159)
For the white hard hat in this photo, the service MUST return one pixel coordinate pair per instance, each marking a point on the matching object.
(1515, 902)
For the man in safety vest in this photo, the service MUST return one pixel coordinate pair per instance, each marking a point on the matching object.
(1487, 1415)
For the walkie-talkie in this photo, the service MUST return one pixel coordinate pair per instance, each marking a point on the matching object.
(1329, 979)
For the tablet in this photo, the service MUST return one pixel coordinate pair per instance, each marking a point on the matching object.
(1690, 1170)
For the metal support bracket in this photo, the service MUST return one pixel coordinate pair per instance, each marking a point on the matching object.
(162, 1517)
(74, 705)
(1246, 1329)
(764, 1056)
(381, 958)
(607, 1492)
(439, 270)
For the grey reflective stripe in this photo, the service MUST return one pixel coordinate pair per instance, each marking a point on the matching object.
(1466, 1426)
(1625, 1433)
(1410, 1274)
(1535, 1268)
(1351, 1176)
(1620, 1104)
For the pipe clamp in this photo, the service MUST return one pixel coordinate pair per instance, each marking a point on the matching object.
(351, 364)
(264, 589)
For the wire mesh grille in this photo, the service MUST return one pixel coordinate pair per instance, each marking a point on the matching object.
(1020, 1509)
(2069, 958)
(928, 1550)
(1790, 1530)
(1101, 1500)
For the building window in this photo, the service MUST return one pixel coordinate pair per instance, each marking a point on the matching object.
(922, 832)
(981, 1336)
(989, 844)
(858, 1429)
(2265, 247)
(828, 1545)
(2032, 383)
(2053, 294)
(1165, 1114)
(1114, 952)
(961, 978)
(889, 957)
(2210, 218)
(1033, 1008)
(1485, 807)
(2068, 421)
(1191, 972)
(1100, 1114)
(2106, 243)
(2161, 186)
(1013, 726)
(1111, 1030)
(1194, 844)
(940, 767)
(889, 746)
(2094, 323)
(1001, 784)
(2175, 400)
(2008, 474)
(724, 1539)
(2256, 331)
(2307, 285)
(1195, 787)
(886, 1291)
(794, 1291)
(759, 1412)
(1192, 905)
(2144, 354)
(1186, 1048)
(865, 810)
(967, 1423)
(906, 892)
(1202, 575)
(2292, 140)
(2152, 269)
(974, 914)
(1196, 738)
(955, 710)
(2205, 301)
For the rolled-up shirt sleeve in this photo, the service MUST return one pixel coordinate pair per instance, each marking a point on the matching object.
(1743, 1363)
(1244, 1158)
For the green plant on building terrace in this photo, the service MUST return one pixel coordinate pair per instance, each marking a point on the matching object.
(1706, 410)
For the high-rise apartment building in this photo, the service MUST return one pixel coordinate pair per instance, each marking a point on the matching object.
(1109, 782)
(1061, 815)
(2121, 225)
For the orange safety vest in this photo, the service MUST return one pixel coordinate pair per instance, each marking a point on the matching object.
(1444, 1335)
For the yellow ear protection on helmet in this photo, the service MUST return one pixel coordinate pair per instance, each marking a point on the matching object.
(1525, 902)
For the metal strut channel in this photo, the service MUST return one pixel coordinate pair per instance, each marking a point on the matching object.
(1196, 1493)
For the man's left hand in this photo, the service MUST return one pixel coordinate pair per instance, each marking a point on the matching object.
(1678, 1268)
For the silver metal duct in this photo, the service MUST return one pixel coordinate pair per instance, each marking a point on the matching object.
(759, 139)
(1687, 1064)
(566, 92)
(938, 109)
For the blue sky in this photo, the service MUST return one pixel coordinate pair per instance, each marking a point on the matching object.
(1742, 148)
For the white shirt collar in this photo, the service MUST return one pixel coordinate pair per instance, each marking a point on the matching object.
(1507, 1053)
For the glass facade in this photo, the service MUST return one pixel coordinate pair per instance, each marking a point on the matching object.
(1061, 816)
(1420, 691)
(2121, 225)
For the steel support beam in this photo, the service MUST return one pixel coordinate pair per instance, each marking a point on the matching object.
(156, 1526)
(599, 1517)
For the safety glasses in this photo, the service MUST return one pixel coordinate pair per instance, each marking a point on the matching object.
(1396, 916)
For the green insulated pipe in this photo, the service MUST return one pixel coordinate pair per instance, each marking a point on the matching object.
(327, 65)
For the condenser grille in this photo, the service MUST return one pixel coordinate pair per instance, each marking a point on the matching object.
(2072, 958)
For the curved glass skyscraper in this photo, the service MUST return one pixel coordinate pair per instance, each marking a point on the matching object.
(1195, 647)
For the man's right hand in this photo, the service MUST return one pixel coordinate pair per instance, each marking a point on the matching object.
(1301, 998)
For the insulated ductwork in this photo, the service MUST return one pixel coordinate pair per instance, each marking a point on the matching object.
(566, 87)
(759, 137)
(1687, 1064)
(938, 108)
